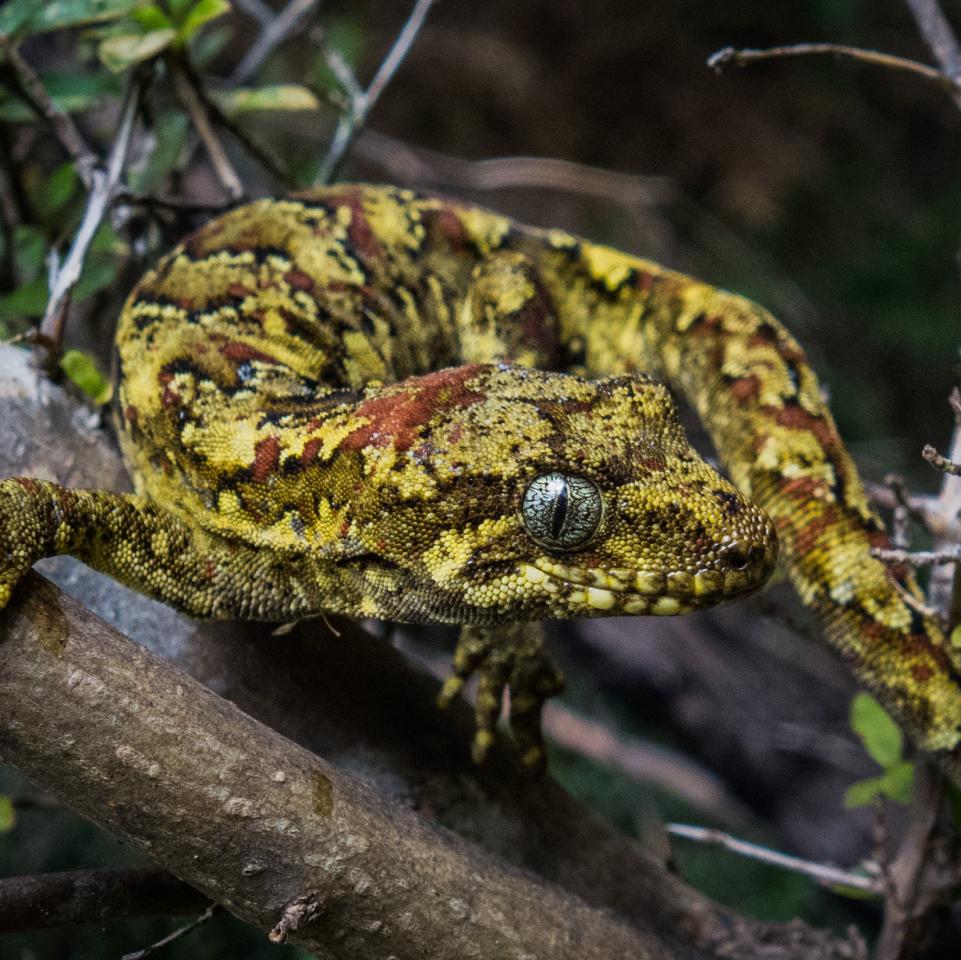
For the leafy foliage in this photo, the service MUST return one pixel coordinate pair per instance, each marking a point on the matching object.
(884, 742)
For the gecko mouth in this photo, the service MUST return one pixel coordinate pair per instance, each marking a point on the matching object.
(635, 592)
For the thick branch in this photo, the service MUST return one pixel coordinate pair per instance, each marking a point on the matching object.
(254, 821)
(87, 896)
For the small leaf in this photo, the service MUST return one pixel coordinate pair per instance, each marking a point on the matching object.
(82, 370)
(898, 782)
(956, 637)
(881, 735)
(71, 92)
(287, 96)
(152, 18)
(121, 51)
(8, 816)
(25, 17)
(30, 251)
(28, 300)
(864, 792)
(58, 190)
(203, 11)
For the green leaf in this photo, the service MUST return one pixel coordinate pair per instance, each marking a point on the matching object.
(864, 792)
(82, 370)
(881, 736)
(203, 11)
(898, 782)
(25, 17)
(956, 637)
(71, 92)
(8, 817)
(28, 300)
(121, 51)
(152, 18)
(285, 96)
(170, 134)
(58, 190)
(30, 251)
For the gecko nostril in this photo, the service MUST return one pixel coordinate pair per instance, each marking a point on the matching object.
(737, 556)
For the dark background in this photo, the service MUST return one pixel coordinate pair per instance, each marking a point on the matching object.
(826, 189)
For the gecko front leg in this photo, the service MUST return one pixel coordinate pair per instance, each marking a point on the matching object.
(506, 656)
(147, 548)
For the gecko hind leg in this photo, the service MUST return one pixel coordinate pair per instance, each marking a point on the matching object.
(506, 656)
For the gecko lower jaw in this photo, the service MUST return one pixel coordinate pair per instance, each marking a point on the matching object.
(643, 592)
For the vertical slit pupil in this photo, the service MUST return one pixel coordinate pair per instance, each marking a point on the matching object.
(560, 507)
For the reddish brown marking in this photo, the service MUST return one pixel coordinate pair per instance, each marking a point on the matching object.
(797, 418)
(240, 353)
(239, 291)
(165, 376)
(746, 389)
(344, 528)
(210, 568)
(266, 457)
(806, 538)
(921, 673)
(130, 415)
(397, 418)
(651, 463)
(311, 449)
(359, 233)
(299, 280)
(169, 398)
(451, 229)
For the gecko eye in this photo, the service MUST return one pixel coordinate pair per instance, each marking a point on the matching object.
(562, 512)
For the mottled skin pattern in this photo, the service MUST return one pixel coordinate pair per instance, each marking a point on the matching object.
(336, 402)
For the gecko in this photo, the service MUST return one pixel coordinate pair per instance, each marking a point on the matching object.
(369, 401)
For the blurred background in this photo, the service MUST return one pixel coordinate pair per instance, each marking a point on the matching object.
(826, 189)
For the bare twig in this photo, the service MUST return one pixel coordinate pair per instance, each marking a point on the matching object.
(192, 102)
(35, 93)
(823, 873)
(258, 152)
(104, 184)
(210, 912)
(275, 30)
(729, 56)
(940, 38)
(173, 204)
(910, 889)
(939, 462)
(917, 558)
(362, 102)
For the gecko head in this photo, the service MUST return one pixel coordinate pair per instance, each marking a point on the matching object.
(557, 497)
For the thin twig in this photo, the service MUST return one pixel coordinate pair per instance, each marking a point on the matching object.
(729, 56)
(274, 32)
(823, 873)
(187, 94)
(36, 95)
(104, 185)
(259, 153)
(939, 462)
(940, 38)
(211, 911)
(917, 558)
(362, 102)
(173, 204)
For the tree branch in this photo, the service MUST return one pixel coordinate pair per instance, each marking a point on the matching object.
(92, 896)
(267, 823)
(361, 102)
